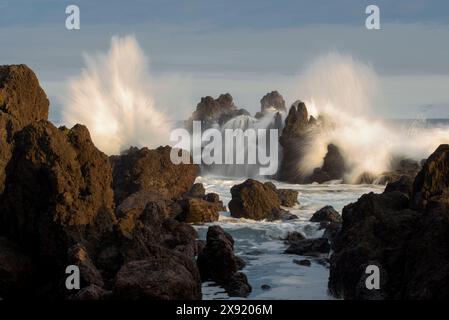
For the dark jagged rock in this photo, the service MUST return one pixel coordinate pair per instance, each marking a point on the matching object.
(22, 102)
(309, 247)
(151, 170)
(294, 138)
(399, 168)
(57, 207)
(333, 167)
(212, 111)
(237, 285)
(218, 263)
(404, 184)
(58, 193)
(326, 214)
(163, 276)
(432, 182)
(273, 100)
(407, 240)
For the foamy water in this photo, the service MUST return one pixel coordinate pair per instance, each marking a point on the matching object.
(257, 242)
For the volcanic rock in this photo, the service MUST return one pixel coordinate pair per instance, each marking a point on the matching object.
(288, 197)
(151, 170)
(309, 247)
(273, 100)
(199, 211)
(326, 214)
(22, 102)
(163, 276)
(218, 263)
(333, 167)
(407, 240)
(254, 200)
(432, 182)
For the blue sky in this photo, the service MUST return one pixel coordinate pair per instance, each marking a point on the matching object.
(247, 48)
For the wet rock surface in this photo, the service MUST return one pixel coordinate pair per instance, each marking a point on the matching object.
(406, 238)
(217, 262)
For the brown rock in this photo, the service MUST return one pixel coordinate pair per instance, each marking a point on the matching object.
(163, 276)
(218, 263)
(152, 171)
(288, 197)
(58, 190)
(432, 182)
(274, 100)
(199, 211)
(22, 102)
(254, 200)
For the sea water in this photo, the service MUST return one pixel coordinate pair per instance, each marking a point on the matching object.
(259, 242)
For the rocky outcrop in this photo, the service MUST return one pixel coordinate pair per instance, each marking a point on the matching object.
(217, 262)
(406, 238)
(58, 192)
(163, 276)
(399, 168)
(57, 208)
(22, 102)
(212, 111)
(255, 200)
(151, 170)
(333, 167)
(431, 186)
(294, 139)
(271, 101)
(326, 214)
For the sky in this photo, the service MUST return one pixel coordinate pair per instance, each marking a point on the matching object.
(246, 48)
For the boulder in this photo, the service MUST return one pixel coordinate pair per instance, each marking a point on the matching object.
(326, 214)
(152, 171)
(163, 276)
(199, 211)
(254, 200)
(309, 247)
(218, 263)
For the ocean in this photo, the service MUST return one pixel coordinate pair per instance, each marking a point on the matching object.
(259, 243)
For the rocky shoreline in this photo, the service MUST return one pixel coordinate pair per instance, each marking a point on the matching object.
(125, 220)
